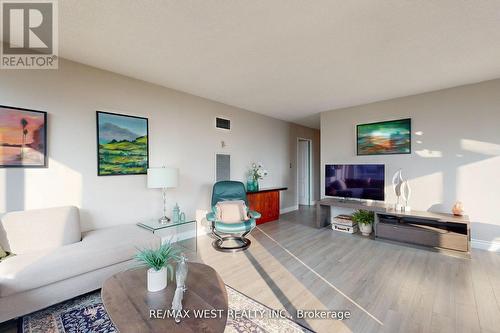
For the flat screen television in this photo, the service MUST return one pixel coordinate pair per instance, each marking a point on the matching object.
(359, 181)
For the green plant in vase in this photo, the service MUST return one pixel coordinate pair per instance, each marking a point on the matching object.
(255, 173)
(365, 220)
(159, 262)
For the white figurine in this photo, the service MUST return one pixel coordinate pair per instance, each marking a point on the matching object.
(397, 182)
(180, 279)
(406, 193)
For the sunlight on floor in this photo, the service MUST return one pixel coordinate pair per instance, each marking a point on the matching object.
(272, 283)
(323, 279)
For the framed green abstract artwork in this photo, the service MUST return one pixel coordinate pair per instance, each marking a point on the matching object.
(386, 137)
(122, 144)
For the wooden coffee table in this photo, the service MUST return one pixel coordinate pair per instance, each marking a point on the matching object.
(128, 302)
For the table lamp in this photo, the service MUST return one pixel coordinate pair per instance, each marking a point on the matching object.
(163, 178)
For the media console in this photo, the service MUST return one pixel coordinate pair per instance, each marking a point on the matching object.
(436, 230)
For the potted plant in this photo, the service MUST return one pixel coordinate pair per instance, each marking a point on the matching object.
(255, 173)
(364, 219)
(159, 262)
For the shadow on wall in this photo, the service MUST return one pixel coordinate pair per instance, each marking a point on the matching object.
(35, 188)
(466, 152)
(468, 172)
(14, 189)
(204, 205)
(493, 233)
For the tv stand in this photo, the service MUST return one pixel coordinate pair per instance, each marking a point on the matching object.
(435, 230)
(346, 200)
(323, 208)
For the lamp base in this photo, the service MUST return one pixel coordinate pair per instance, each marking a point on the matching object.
(164, 220)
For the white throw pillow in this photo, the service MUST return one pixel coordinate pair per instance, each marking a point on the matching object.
(231, 211)
(39, 229)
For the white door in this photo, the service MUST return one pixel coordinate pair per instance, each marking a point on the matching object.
(303, 172)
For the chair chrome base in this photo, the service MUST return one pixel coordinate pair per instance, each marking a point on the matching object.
(217, 244)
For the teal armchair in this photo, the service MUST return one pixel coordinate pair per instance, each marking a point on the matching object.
(222, 232)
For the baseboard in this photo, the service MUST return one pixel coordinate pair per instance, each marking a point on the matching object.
(289, 209)
(485, 245)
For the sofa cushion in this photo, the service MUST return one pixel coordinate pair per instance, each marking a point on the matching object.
(98, 249)
(40, 229)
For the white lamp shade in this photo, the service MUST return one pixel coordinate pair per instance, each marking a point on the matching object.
(163, 177)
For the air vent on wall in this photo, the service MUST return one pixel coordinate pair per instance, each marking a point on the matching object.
(223, 123)
(222, 167)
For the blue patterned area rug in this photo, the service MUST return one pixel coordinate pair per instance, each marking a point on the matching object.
(86, 314)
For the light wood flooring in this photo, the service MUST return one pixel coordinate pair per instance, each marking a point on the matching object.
(388, 287)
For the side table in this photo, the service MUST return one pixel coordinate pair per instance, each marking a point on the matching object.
(187, 238)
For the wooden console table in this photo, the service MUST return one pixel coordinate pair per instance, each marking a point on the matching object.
(266, 201)
(436, 230)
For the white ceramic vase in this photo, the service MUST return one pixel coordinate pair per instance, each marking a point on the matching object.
(366, 229)
(157, 280)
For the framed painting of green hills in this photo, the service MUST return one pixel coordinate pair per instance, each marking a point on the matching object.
(122, 144)
(383, 138)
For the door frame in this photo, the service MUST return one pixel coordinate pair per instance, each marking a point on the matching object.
(309, 199)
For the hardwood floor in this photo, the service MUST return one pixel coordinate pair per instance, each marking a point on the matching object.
(387, 287)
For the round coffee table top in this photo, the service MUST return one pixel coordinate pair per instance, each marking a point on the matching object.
(132, 307)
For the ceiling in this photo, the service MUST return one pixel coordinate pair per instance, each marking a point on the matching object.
(289, 59)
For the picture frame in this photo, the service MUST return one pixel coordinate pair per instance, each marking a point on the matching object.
(23, 138)
(390, 137)
(122, 144)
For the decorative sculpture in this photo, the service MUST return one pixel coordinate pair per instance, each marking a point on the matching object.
(406, 193)
(401, 189)
(458, 209)
(397, 181)
(180, 279)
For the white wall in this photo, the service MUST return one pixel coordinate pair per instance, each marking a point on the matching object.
(455, 157)
(182, 134)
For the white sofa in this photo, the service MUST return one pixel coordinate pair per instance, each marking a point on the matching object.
(54, 261)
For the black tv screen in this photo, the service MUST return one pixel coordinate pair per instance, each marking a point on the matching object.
(360, 181)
